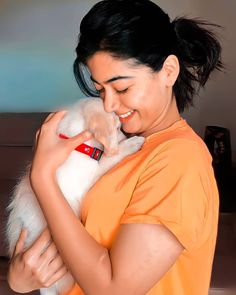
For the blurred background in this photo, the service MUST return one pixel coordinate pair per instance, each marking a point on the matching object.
(37, 50)
(37, 43)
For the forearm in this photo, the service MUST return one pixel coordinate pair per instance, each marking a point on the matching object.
(86, 259)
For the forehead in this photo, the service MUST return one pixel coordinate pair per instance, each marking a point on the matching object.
(106, 60)
(103, 67)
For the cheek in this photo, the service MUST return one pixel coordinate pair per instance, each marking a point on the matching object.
(145, 97)
(135, 101)
(138, 97)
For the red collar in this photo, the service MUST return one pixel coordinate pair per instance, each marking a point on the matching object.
(93, 152)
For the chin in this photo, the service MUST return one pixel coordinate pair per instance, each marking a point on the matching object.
(129, 131)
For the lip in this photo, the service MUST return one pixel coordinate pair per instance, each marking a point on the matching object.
(124, 120)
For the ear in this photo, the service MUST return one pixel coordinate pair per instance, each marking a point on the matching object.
(171, 68)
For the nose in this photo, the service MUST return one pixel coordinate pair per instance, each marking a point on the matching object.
(111, 103)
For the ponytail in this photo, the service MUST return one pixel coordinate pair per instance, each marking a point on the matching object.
(199, 53)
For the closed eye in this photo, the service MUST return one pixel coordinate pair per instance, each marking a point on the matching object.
(122, 91)
(117, 91)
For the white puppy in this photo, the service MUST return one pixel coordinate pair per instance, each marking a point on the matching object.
(75, 176)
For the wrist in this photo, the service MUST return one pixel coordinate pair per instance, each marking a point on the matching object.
(41, 176)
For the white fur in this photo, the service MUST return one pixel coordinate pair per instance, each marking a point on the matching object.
(74, 177)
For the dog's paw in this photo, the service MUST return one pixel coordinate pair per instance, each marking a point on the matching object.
(131, 145)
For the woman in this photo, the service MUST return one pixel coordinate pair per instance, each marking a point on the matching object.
(149, 225)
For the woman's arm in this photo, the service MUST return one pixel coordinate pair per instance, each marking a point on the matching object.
(141, 254)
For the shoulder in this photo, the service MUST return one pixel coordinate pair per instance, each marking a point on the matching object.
(180, 152)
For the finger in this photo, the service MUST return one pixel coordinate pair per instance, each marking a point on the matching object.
(55, 117)
(37, 135)
(49, 117)
(52, 121)
(80, 138)
(40, 244)
(36, 139)
(49, 254)
(56, 265)
(57, 276)
(49, 264)
(20, 243)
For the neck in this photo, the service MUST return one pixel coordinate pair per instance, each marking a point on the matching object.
(168, 117)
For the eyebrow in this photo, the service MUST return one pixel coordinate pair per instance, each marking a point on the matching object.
(112, 79)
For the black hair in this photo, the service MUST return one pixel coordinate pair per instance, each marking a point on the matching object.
(141, 30)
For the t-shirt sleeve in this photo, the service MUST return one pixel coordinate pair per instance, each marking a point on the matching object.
(174, 190)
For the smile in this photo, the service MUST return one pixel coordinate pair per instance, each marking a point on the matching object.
(126, 115)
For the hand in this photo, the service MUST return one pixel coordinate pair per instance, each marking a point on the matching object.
(50, 150)
(38, 267)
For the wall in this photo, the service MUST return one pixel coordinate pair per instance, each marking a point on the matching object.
(38, 40)
(217, 104)
(37, 52)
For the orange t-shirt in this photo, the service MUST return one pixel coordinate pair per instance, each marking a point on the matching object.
(170, 181)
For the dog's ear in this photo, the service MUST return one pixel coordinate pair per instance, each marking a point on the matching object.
(104, 126)
(106, 130)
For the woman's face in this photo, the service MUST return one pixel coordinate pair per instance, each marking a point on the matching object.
(140, 98)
